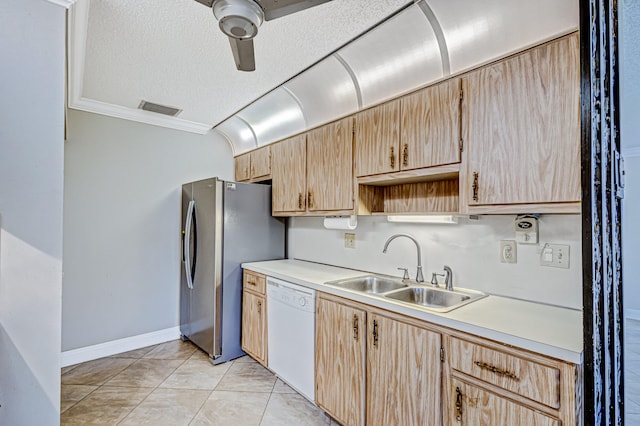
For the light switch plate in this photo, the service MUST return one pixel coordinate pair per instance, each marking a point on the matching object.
(508, 251)
(349, 240)
(555, 255)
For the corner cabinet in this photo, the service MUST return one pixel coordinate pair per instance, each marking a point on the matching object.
(253, 166)
(400, 382)
(524, 132)
(254, 316)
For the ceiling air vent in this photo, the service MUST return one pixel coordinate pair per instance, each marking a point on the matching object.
(160, 109)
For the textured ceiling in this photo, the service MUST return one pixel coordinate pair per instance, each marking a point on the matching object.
(171, 52)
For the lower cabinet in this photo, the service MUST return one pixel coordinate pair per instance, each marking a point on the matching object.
(400, 382)
(475, 405)
(254, 316)
(340, 360)
(493, 384)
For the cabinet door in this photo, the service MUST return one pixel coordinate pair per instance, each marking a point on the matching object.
(403, 374)
(288, 174)
(377, 139)
(261, 162)
(330, 167)
(253, 325)
(242, 167)
(340, 354)
(431, 126)
(524, 127)
(473, 405)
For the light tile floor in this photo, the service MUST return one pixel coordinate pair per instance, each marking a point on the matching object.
(632, 372)
(175, 384)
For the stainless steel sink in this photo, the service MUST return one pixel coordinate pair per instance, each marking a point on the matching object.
(436, 299)
(372, 284)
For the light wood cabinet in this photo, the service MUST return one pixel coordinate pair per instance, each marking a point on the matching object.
(491, 383)
(431, 126)
(242, 166)
(404, 373)
(289, 176)
(254, 316)
(478, 406)
(312, 173)
(524, 132)
(253, 166)
(377, 139)
(340, 361)
(402, 379)
(330, 167)
(419, 130)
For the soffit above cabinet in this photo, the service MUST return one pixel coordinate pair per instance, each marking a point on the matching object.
(424, 43)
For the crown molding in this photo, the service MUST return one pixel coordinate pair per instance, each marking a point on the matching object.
(64, 3)
(77, 36)
(138, 115)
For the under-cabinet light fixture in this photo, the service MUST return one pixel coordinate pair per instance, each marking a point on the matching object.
(423, 219)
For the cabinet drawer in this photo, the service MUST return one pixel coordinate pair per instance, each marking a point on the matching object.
(525, 377)
(254, 282)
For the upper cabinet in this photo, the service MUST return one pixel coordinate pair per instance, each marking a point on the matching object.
(289, 176)
(313, 172)
(253, 166)
(430, 126)
(378, 139)
(416, 131)
(524, 132)
(330, 167)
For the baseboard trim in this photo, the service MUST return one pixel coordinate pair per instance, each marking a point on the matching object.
(633, 314)
(113, 347)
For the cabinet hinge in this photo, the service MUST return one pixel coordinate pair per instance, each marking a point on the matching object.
(461, 144)
(442, 353)
(461, 94)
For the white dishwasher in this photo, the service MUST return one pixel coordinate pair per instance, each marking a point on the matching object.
(291, 330)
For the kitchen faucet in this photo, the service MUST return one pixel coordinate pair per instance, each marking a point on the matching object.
(448, 279)
(419, 277)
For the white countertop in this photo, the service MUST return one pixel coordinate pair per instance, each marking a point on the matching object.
(548, 330)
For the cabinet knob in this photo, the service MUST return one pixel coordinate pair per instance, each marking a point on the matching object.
(405, 155)
(355, 327)
(392, 158)
(458, 404)
(474, 186)
(375, 333)
(310, 197)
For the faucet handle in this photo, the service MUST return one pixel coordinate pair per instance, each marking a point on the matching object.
(434, 278)
(405, 276)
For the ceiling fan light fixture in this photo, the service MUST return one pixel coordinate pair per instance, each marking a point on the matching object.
(239, 19)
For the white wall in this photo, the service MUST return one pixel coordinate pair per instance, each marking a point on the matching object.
(32, 34)
(470, 248)
(122, 224)
(630, 135)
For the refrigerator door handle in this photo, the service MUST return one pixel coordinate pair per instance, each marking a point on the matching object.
(189, 264)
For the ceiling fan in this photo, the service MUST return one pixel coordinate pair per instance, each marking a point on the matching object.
(240, 20)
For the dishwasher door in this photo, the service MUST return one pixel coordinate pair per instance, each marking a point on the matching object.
(291, 334)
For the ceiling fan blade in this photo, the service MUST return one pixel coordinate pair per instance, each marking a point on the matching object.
(277, 8)
(243, 54)
(208, 3)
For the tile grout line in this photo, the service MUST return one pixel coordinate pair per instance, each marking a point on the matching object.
(153, 389)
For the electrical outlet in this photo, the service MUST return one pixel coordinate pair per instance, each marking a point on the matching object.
(349, 240)
(508, 251)
(555, 255)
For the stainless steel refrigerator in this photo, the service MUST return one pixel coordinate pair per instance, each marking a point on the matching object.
(224, 225)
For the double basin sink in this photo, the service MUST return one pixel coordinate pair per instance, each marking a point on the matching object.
(409, 292)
